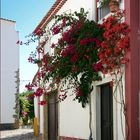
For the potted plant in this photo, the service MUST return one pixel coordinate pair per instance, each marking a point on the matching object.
(113, 4)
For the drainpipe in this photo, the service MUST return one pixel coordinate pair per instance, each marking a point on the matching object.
(94, 17)
(90, 115)
(94, 10)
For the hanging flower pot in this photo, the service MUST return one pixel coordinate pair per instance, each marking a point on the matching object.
(114, 6)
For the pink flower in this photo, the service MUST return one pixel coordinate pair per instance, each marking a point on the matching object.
(24, 113)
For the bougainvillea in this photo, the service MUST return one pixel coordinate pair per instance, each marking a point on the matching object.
(75, 53)
(84, 48)
(115, 45)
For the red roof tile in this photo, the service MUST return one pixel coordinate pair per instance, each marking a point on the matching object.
(47, 18)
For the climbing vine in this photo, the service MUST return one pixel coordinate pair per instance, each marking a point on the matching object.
(84, 48)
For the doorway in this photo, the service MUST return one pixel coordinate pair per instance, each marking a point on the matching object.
(52, 117)
(106, 112)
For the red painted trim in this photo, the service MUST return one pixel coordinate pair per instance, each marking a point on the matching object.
(132, 71)
(97, 11)
(69, 138)
(54, 9)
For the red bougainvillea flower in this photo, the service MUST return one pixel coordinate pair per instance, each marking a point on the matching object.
(78, 92)
(40, 49)
(56, 30)
(30, 59)
(64, 22)
(53, 45)
(74, 58)
(42, 102)
(68, 51)
(42, 73)
(29, 87)
(67, 36)
(86, 41)
(38, 92)
(115, 44)
(98, 66)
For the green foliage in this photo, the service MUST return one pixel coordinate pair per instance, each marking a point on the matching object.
(84, 48)
(78, 47)
(26, 106)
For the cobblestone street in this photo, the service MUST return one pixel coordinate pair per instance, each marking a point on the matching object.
(17, 134)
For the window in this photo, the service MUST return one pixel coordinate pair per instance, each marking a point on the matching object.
(102, 10)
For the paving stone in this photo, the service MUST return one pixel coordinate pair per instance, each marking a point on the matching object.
(17, 134)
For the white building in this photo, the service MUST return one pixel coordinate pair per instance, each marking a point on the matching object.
(68, 120)
(9, 74)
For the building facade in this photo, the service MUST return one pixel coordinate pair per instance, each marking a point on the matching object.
(74, 122)
(9, 75)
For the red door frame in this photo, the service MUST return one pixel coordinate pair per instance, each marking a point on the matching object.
(132, 70)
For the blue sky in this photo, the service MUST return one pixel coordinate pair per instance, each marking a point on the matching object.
(27, 14)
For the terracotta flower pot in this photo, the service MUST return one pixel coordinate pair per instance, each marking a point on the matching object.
(114, 6)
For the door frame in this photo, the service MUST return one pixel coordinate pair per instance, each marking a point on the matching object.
(53, 100)
(117, 132)
(98, 112)
(107, 93)
(97, 90)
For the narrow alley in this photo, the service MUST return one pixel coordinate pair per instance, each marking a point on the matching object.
(17, 134)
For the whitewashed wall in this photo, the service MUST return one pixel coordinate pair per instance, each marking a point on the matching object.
(73, 119)
(75, 5)
(9, 64)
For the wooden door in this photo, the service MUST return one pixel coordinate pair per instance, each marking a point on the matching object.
(52, 117)
(106, 112)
